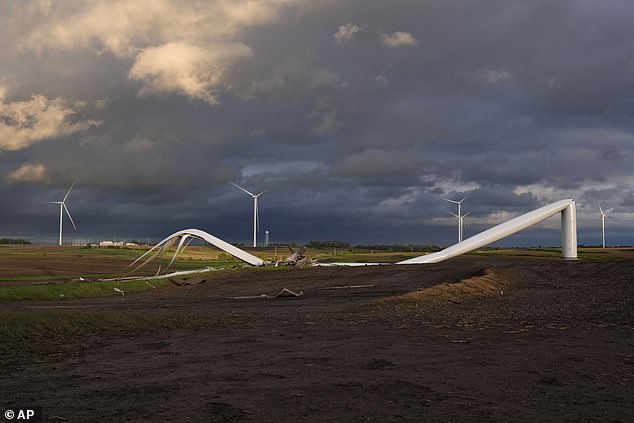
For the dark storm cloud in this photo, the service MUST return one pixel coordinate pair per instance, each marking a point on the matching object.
(512, 104)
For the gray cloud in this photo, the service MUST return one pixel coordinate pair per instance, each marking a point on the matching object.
(350, 138)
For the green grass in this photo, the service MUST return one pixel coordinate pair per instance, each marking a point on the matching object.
(366, 257)
(75, 290)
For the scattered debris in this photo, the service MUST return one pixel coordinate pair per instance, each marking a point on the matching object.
(187, 281)
(166, 276)
(120, 291)
(150, 284)
(284, 293)
(461, 341)
(297, 258)
(348, 287)
(250, 297)
(288, 293)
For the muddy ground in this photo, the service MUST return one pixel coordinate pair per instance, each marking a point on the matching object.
(512, 339)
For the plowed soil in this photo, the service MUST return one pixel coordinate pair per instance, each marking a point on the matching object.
(474, 338)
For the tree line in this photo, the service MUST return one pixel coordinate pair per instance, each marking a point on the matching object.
(396, 248)
(14, 241)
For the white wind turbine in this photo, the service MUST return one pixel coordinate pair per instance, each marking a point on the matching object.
(459, 215)
(256, 220)
(603, 216)
(460, 223)
(62, 207)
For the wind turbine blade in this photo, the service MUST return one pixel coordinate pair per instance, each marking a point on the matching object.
(184, 241)
(261, 193)
(54, 202)
(463, 198)
(601, 210)
(453, 214)
(239, 187)
(69, 189)
(466, 214)
(69, 216)
(451, 201)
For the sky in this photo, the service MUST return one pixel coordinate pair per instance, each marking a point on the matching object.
(355, 117)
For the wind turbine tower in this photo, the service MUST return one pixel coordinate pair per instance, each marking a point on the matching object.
(459, 215)
(603, 216)
(62, 207)
(256, 220)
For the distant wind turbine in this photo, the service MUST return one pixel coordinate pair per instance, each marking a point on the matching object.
(256, 219)
(460, 224)
(62, 207)
(459, 215)
(603, 216)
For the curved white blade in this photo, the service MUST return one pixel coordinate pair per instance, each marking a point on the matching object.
(239, 187)
(179, 249)
(69, 216)
(157, 250)
(187, 244)
(167, 245)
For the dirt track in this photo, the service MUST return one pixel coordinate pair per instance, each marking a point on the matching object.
(557, 343)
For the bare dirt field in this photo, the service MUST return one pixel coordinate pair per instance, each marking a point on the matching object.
(474, 338)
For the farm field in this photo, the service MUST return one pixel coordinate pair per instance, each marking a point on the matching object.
(498, 335)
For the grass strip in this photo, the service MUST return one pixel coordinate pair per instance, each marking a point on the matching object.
(75, 290)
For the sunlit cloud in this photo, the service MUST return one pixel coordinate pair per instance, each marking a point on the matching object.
(398, 39)
(185, 69)
(28, 173)
(27, 122)
(346, 33)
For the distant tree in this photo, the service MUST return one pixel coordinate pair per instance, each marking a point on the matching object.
(398, 248)
(328, 244)
(14, 241)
